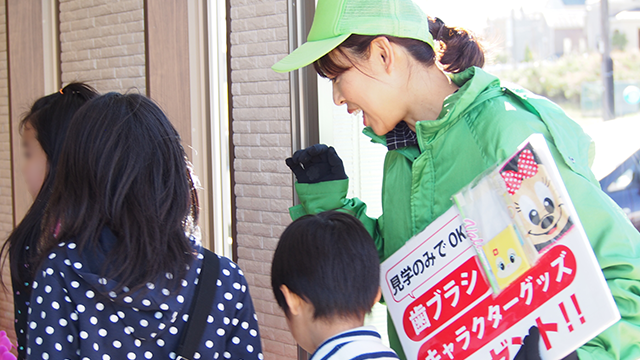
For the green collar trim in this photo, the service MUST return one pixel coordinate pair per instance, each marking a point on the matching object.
(471, 82)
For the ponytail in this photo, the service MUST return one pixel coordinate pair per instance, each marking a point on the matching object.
(459, 48)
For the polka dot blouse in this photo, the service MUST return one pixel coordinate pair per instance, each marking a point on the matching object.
(70, 319)
(21, 296)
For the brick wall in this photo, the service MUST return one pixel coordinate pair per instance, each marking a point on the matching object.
(262, 140)
(6, 207)
(102, 43)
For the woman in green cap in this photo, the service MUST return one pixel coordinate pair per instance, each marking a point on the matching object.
(444, 121)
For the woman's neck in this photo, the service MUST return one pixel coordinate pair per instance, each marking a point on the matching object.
(428, 87)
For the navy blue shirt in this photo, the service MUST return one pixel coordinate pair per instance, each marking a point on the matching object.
(71, 317)
(21, 296)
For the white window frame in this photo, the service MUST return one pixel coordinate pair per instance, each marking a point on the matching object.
(210, 121)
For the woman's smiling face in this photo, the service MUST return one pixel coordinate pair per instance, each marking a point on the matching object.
(367, 86)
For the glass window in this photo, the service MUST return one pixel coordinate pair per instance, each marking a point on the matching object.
(363, 163)
(218, 169)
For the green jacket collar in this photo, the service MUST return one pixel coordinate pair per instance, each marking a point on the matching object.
(472, 82)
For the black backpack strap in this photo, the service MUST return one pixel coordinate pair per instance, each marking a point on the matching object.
(200, 306)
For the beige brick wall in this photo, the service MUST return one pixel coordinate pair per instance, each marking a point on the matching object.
(6, 207)
(102, 43)
(262, 140)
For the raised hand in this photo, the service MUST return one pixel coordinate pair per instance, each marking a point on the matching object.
(315, 164)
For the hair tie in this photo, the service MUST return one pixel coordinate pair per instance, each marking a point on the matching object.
(61, 91)
(440, 30)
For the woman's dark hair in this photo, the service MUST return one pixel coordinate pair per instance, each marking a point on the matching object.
(49, 117)
(459, 50)
(330, 261)
(124, 168)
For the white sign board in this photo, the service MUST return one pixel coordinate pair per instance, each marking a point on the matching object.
(443, 307)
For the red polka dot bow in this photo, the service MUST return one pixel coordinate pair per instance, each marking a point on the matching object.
(527, 167)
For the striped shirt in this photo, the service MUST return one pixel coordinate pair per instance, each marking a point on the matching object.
(355, 344)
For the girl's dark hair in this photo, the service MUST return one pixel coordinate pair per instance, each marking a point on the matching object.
(330, 261)
(459, 49)
(124, 168)
(49, 117)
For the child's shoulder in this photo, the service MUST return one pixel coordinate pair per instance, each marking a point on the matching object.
(359, 343)
(228, 270)
(229, 265)
(60, 255)
(59, 267)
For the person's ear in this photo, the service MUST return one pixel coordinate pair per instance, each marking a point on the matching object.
(294, 302)
(383, 53)
(378, 297)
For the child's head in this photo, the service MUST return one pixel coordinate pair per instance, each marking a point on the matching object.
(44, 129)
(325, 269)
(123, 167)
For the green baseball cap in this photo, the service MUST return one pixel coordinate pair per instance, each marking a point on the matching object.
(335, 20)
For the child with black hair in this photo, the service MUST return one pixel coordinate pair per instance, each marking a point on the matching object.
(43, 129)
(325, 276)
(120, 265)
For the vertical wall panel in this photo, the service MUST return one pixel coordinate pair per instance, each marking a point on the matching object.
(21, 83)
(6, 203)
(168, 62)
(26, 82)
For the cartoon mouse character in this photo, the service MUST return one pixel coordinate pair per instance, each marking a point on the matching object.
(543, 214)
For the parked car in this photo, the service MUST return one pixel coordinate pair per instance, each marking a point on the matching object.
(623, 186)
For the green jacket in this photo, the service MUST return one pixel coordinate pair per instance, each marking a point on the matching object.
(479, 126)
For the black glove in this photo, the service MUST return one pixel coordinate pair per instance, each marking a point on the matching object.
(529, 349)
(316, 164)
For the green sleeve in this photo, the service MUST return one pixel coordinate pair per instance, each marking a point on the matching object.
(332, 195)
(615, 242)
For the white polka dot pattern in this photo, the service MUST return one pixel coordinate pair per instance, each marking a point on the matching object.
(76, 315)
